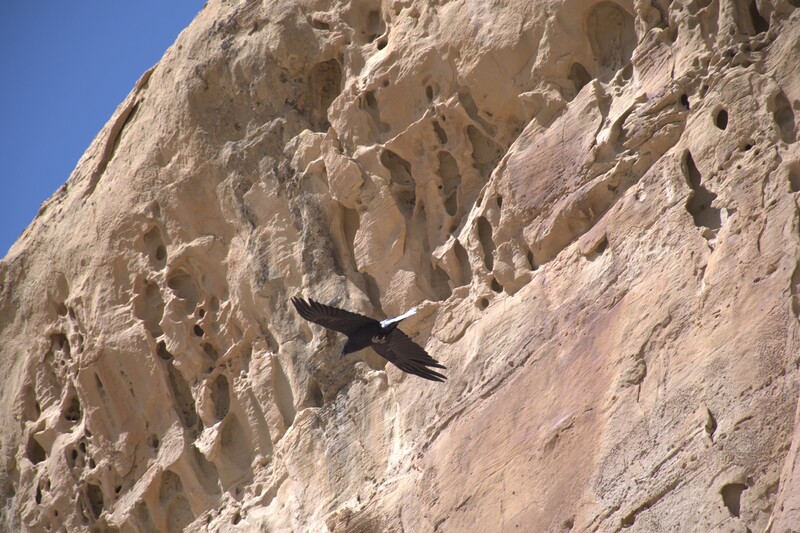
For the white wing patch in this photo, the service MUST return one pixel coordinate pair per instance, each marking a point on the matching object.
(389, 321)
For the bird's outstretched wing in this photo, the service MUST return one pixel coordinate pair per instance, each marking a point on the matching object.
(409, 356)
(331, 317)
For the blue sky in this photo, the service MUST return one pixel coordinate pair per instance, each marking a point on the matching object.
(64, 68)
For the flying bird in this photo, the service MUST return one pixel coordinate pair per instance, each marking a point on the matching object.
(382, 336)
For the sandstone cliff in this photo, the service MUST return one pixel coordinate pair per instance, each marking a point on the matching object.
(594, 205)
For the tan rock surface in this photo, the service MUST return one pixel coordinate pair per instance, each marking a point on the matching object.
(594, 205)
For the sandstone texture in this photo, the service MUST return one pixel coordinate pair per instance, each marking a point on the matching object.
(592, 203)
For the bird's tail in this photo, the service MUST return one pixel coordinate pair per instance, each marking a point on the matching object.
(389, 321)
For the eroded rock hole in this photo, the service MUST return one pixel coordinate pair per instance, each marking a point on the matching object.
(31, 410)
(34, 451)
(182, 397)
(465, 269)
(406, 200)
(95, 496)
(440, 134)
(154, 247)
(399, 168)
(198, 331)
(579, 76)
(59, 343)
(685, 100)
(221, 396)
(760, 24)
(628, 520)
(784, 117)
(487, 244)
(72, 458)
(532, 260)
(700, 199)
(732, 497)
(598, 249)
(468, 103)
(319, 24)
(179, 512)
(627, 74)
(495, 285)
(794, 179)
(370, 101)
(326, 84)
(711, 424)
(381, 43)
(482, 303)
(485, 153)
(403, 184)
(374, 26)
(153, 442)
(371, 106)
(206, 471)
(162, 352)
(210, 351)
(184, 288)
(429, 93)
(611, 36)
(72, 409)
(448, 171)
(721, 119)
(142, 517)
(439, 284)
(171, 486)
(149, 307)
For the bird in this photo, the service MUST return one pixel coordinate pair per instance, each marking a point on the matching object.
(382, 336)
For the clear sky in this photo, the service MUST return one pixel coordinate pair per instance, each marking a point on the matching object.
(64, 68)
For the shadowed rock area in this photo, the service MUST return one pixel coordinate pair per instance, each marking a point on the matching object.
(592, 204)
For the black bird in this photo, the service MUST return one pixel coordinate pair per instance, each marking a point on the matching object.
(383, 337)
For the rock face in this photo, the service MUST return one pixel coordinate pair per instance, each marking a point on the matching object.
(593, 204)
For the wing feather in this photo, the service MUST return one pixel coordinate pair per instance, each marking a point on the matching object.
(331, 317)
(402, 345)
(409, 356)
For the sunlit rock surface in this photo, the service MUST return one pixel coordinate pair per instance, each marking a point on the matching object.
(594, 205)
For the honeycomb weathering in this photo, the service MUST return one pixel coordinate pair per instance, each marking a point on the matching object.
(592, 204)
